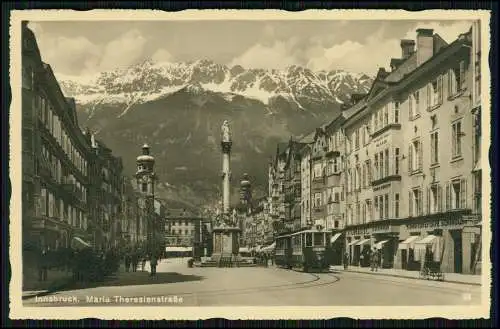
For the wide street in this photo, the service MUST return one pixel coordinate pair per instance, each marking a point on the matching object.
(179, 285)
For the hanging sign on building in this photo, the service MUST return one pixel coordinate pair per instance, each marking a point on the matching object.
(446, 223)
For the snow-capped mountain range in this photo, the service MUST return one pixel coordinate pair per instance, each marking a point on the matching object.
(149, 80)
(178, 110)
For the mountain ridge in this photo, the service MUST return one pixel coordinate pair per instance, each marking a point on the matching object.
(178, 110)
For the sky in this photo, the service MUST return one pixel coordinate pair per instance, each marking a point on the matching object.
(80, 48)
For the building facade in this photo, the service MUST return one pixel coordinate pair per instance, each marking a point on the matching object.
(182, 228)
(400, 169)
(54, 158)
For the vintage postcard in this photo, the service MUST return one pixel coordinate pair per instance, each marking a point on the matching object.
(250, 164)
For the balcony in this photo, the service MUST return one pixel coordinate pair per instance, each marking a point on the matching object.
(386, 179)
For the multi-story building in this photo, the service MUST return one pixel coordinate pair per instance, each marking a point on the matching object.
(55, 158)
(402, 163)
(276, 188)
(106, 195)
(292, 185)
(305, 181)
(319, 179)
(182, 227)
(130, 221)
(415, 194)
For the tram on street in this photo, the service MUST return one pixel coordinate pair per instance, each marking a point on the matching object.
(306, 250)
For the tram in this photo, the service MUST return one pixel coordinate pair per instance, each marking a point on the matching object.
(306, 250)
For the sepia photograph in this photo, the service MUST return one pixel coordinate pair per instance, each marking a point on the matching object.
(250, 164)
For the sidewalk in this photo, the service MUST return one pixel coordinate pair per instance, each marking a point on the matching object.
(55, 280)
(448, 277)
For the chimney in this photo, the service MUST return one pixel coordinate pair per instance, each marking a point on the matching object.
(395, 62)
(425, 45)
(407, 48)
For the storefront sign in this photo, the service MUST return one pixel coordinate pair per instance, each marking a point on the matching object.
(442, 223)
(382, 187)
(381, 141)
(377, 229)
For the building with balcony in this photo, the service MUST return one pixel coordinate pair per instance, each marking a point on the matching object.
(55, 156)
(408, 192)
(106, 194)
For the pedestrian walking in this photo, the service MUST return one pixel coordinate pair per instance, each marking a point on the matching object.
(127, 261)
(346, 260)
(374, 260)
(143, 262)
(135, 260)
(153, 262)
(43, 265)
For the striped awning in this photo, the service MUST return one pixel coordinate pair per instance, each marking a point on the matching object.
(335, 237)
(409, 242)
(380, 244)
(425, 241)
(353, 242)
(363, 242)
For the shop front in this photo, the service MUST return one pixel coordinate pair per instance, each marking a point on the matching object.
(447, 238)
(336, 249)
(380, 235)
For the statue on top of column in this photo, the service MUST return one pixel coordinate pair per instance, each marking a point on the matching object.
(226, 134)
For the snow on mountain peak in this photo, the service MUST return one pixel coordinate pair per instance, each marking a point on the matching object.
(149, 80)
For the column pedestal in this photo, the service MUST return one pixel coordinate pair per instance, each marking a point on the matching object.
(225, 244)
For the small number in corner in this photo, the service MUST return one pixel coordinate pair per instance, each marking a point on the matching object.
(466, 296)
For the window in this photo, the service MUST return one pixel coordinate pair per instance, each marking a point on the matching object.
(381, 165)
(386, 199)
(396, 205)
(356, 139)
(456, 143)
(144, 187)
(335, 165)
(317, 199)
(376, 166)
(414, 105)
(477, 192)
(358, 177)
(396, 112)
(381, 207)
(317, 170)
(368, 209)
(386, 162)
(415, 202)
(435, 93)
(415, 157)
(434, 148)
(375, 121)
(456, 193)
(434, 199)
(477, 83)
(456, 77)
(386, 115)
(364, 179)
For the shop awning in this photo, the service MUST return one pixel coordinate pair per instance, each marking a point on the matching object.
(177, 249)
(78, 243)
(269, 248)
(363, 242)
(408, 242)
(477, 167)
(353, 242)
(380, 244)
(335, 237)
(425, 241)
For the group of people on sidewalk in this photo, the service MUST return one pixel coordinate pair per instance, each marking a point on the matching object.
(373, 257)
(132, 257)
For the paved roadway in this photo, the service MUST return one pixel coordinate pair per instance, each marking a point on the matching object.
(260, 286)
